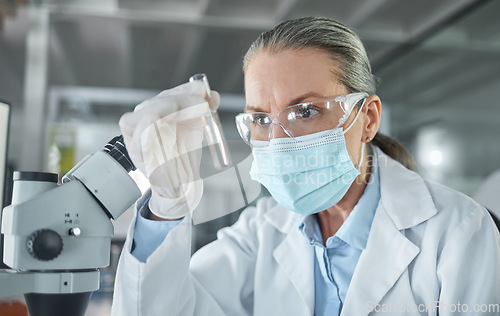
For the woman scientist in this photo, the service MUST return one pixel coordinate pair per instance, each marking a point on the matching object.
(349, 230)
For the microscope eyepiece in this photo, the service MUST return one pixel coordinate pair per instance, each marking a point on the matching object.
(116, 149)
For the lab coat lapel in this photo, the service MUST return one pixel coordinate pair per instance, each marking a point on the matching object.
(404, 194)
(294, 255)
(405, 202)
(386, 256)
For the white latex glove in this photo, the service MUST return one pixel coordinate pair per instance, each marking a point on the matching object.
(170, 161)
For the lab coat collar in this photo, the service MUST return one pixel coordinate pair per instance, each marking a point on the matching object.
(405, 202)
(283, 219)
(294, 255)
(386, 257)
(404, 194)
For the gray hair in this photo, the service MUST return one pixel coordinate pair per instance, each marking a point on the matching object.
(344, 46)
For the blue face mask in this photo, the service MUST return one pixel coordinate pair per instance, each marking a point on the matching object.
(305, 174)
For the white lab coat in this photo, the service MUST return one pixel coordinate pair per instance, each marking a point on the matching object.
(427, 243)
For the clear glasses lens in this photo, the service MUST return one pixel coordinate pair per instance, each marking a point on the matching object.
(297, 120)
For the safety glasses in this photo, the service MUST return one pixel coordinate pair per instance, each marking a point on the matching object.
(298, 119)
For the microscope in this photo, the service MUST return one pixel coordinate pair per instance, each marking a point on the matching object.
(56, 237)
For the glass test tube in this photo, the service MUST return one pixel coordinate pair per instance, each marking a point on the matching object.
(217, 144)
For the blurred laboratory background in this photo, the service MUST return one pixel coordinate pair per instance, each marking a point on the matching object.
(70, 69)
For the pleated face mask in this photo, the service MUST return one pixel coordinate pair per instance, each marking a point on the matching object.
(305, 174)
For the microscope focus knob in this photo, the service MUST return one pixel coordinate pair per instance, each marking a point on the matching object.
(45, 244)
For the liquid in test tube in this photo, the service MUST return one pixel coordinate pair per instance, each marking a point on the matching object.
(217, 144)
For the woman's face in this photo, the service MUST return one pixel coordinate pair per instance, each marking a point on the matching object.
(274, 81)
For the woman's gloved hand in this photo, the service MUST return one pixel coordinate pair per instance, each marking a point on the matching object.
(164, 138)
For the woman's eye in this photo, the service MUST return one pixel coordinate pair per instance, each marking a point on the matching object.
(306, 112)
(261, 120)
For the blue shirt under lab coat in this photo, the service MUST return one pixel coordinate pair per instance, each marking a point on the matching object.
(335, 263)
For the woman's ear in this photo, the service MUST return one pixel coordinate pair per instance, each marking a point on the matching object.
(372, 110)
